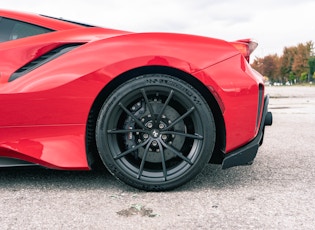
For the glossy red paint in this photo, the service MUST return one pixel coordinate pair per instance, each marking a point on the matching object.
(59, 147)
(239, 94)
(45, 112)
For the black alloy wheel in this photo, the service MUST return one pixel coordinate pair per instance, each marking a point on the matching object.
(155, 132)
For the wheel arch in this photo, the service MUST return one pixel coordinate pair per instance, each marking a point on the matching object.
(93, 157)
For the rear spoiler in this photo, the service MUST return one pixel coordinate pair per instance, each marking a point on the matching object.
(245, 46)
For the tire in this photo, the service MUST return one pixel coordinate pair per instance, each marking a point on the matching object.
(155, 132)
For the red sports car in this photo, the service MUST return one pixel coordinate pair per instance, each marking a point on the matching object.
(154, 108)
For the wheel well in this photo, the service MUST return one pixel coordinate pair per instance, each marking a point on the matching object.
(91, 149)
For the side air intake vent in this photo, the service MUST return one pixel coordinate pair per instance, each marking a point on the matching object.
(47, 57)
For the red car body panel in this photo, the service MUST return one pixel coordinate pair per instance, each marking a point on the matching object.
(44, 114)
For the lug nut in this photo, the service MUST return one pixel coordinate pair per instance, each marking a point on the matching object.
(150, 125)
(164, 137)
(145, 136)
(161, 126)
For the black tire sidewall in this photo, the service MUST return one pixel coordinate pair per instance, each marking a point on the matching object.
(110, 107)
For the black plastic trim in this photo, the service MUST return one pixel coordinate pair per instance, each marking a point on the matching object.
(45, 58)
(247, 153)
(69, 21)
(260, 101)
(12, 162)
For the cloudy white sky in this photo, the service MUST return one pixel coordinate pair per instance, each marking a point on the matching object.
(273, 23)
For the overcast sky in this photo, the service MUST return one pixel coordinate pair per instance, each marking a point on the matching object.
(273, 23)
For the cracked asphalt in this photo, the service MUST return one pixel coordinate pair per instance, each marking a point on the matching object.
(276, 192)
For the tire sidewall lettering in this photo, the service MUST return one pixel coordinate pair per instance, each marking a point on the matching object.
(173, 84)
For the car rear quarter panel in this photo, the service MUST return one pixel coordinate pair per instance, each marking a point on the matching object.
(236, 88)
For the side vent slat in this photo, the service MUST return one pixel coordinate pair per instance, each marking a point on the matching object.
(45, 58)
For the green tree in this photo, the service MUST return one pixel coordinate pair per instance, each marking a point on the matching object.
(311, 63)
(303, 77)
(291, 77)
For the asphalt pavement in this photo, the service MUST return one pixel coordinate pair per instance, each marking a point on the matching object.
(276, 192)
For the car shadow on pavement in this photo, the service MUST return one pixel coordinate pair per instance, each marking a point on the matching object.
(212, 177)
(38, 177)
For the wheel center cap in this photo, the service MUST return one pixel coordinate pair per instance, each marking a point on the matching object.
(155, 133)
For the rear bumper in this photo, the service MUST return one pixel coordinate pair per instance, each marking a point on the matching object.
(247, 153)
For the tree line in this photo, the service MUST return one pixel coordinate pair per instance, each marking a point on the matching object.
(295, 65)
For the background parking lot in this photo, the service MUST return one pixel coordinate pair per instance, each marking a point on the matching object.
(276, 192)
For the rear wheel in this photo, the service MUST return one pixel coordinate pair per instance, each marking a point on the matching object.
(155, 132)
